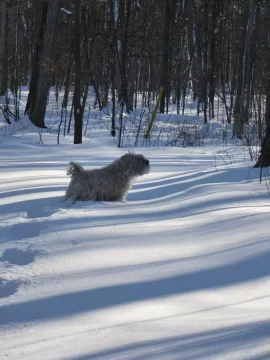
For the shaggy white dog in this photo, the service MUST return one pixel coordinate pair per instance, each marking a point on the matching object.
(110, 183)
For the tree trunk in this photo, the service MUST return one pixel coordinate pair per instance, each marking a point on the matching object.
(264, 159)
(212, 57)
(3, 47)
(89, 25)
(124, 22)
(238, 120)
(196, 65)
(43, 66)
(247, 66)
(78, 113)
(113, 64)
(165, 56)
(131, 83)
(205, 61)
(66, 93)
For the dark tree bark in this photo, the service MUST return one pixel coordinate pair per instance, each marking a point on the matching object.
(264, 159)
(205, 61)
(78, 113)
(247, 67)
(43, 66)
(66, 94)
(212, 57)
(194, 49)
(3, 47)
(238, 120)
(165, 55)
(89, 17)
(113, 64)
(124, 14)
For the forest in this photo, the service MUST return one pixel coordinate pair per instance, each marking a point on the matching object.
(147, 54)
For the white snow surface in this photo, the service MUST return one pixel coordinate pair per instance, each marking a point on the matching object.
(180, 270)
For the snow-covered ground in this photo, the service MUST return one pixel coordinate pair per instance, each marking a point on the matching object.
(179, 271)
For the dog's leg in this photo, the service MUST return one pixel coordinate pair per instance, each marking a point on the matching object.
(68, 201)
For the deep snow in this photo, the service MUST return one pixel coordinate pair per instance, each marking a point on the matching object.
(180, 270)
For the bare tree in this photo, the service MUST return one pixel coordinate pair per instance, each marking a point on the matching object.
(3, 47)
(166, 54)
(264, 159)
(78, 113)
(43, 66)
(243, 31)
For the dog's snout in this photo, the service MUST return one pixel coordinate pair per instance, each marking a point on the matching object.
(147, 162)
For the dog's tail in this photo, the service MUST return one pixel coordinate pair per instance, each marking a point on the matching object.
(75, 169)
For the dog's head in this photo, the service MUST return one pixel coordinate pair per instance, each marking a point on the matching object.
(137, 164)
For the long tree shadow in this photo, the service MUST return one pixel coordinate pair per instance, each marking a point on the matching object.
(35, 207)
(184, 181)
(212, 344)
(60, 306)
(46, 204)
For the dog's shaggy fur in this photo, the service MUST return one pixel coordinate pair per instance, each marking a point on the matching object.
(110, 183)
